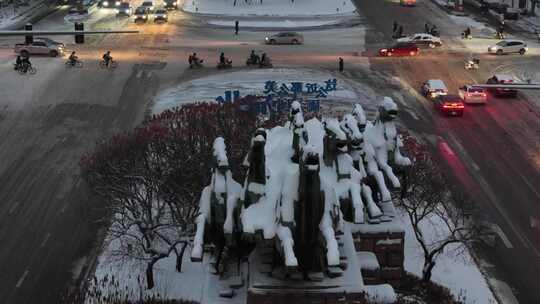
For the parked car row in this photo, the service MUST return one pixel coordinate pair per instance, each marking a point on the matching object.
(454, 104)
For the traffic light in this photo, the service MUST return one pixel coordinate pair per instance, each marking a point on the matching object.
(79, 38)
(28, 39)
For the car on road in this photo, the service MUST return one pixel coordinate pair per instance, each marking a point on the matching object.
(109, 3)
(40, 47)
(124, 9)
(407, 2)
(434, 88)
(508, 47)
(471, 94)
(170, 4)
(141, 14)
(422, 40)
(160, 15)
(285, 38)
(149, 5)
(400, 49)
(451, 105)
(502, 79)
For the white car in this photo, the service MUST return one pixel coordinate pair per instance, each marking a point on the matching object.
(508, 46)
(422, 40)
(160, 15)
(149, 5)
(433, 88)
(471, 94)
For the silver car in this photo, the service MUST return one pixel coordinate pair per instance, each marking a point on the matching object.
(508, 46)
(285, 38)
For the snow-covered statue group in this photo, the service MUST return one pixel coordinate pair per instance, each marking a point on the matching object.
(306, 183)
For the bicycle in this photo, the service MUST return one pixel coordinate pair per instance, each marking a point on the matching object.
(112, 64)
(76, 64)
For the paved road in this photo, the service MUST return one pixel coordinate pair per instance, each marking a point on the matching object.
(47, 121)
(493, 149)
(47, 223)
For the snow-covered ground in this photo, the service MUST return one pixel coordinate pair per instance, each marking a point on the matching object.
(247, 82)
(455, 269)
(275, 23)
(270, 7)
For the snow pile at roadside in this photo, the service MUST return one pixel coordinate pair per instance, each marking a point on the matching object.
(459, 273)
(247, 82)
(203, 286)
(270, 7)
(274, 24)
(469, 22)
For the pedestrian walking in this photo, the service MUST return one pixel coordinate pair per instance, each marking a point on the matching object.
(426, 28)
(236, 27)
(400, 32)
(394, 27)
(340, 64)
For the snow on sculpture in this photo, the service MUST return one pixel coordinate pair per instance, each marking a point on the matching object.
(217, 203)
(361, 159)
(383, 137)
(304, 182)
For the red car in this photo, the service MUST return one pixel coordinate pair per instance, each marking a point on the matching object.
(450, 105)
(400, 49)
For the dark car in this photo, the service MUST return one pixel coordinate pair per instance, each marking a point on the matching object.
(141, 14)
(400, 49)
(450, 105)
(170, 4)
(109, 3)
(501, 79)
(124, 9)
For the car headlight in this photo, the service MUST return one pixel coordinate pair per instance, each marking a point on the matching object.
(266, 38)
(117, 3)
(165, 16)
(493, 48)
(144, 17)
(105, 3)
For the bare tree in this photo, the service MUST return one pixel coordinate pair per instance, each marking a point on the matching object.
(151, 176)
(429, 199)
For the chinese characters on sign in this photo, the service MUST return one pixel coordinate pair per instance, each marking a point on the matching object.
(278, 97)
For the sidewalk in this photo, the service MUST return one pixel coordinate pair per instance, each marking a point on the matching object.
(12, 18)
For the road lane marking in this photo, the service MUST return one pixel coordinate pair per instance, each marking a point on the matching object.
(13, 207)
(139, 73)
(497, 229)
(447, 149)
(495, 201)
(21, 280)
(45, 240)
(475, 166)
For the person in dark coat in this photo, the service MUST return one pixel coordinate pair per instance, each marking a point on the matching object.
(341, 64)
(399, 32)
(426, 28)
(236, 27)
(394, 27)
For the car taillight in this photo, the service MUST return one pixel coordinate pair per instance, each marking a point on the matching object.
(454, 106)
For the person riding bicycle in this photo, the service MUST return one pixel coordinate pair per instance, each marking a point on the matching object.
(107, 58)
(264, 59)
(195, 60)
(467, 32)
(18, 62)
(222, 58)
(253, 58)
(25, 63)
(73, 58)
